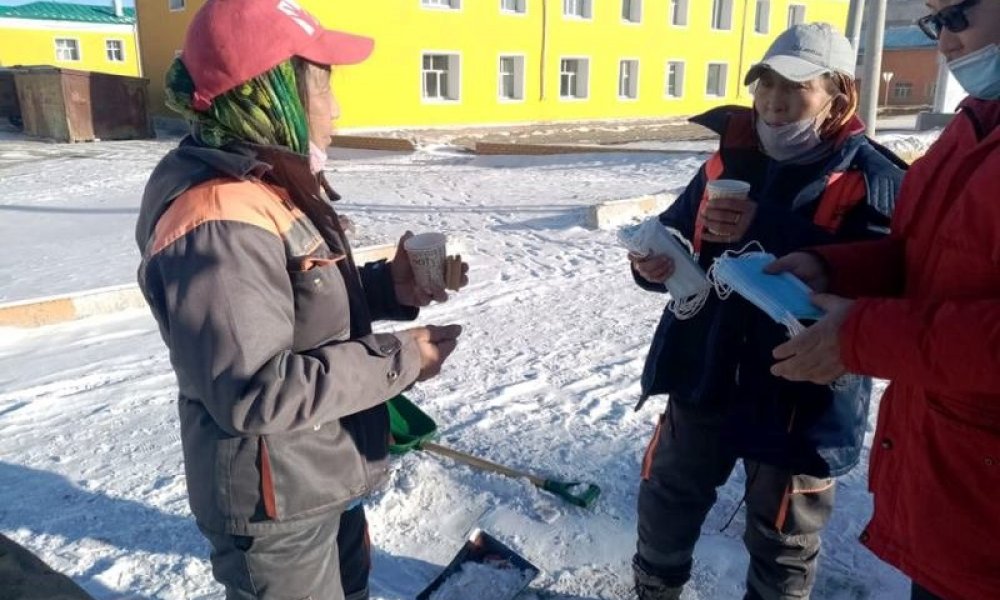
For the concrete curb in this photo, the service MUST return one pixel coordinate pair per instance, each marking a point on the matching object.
(360, 142)
(36, 312)
(615, 213)
(497, 149)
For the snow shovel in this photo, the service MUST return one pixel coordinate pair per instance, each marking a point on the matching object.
(412, 429)
(483, 562)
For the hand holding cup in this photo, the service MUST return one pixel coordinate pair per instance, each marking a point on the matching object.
(728, 213)
(422, 270)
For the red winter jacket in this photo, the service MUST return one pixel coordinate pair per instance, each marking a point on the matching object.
(928, 319)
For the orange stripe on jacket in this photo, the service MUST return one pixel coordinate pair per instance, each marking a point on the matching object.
(786, 498)
(844, 191)
(713, 171)
(267, 483)
(224, 200)
(647, 460)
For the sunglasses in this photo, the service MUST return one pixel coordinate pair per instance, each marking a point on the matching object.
(952, 18)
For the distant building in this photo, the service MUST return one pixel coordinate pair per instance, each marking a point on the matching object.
(912, 58)
(905, 12)
(70, 36)
(482, 62)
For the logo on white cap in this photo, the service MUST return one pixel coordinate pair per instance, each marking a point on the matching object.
(296, 14)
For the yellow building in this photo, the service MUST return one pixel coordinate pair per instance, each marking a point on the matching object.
(486, 62)
(70, 36)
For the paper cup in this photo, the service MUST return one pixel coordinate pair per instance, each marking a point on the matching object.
(427, 253)
(728, 188)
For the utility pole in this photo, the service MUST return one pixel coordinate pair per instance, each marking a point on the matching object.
(854, 19)
(872, 76)
(743, 45)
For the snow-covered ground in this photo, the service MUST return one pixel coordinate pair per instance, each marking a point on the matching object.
(545, 378)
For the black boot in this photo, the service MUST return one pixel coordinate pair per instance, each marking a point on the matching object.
(651, 587)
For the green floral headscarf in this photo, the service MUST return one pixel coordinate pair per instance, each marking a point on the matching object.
(265, 110)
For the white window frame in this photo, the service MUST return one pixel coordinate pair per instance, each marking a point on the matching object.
(517, 75)
(632, 12)
(722, 15)
(900, 86)
(582, 79)
(677, 13)
(581, 10)
(441, 4)
(76, 47)
(723, 79)
(792, 10)
(176, 5)
(520, 7)
(766, 21)
(453, 73)
(107, 50)
(679, 88)
(632, 92)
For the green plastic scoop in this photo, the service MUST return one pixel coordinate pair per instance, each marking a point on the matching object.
(412, 429)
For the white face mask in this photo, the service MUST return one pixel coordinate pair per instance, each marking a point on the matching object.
(317, 157)
(785, 142)
(979, 72)
(688, 286)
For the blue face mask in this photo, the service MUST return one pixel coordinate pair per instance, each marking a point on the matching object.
(979, 72)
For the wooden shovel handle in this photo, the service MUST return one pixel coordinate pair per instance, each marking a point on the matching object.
(479, 463)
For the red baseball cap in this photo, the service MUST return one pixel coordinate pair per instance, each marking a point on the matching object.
(230, 42)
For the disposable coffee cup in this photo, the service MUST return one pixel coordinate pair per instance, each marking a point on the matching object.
(427, 253)
(728, 188)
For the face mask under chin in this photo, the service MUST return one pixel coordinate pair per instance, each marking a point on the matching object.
(785, 142)
(792, 140)
(317, 157)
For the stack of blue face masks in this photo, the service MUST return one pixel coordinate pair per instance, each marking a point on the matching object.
(783, 297)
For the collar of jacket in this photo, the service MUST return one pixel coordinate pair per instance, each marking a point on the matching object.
(287, 169)
(192, 163)
(985, 115)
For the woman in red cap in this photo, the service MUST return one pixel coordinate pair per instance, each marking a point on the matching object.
(268, 320)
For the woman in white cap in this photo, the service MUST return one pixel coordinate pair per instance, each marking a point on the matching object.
(814, 179)
(282, 381)
(921, 308)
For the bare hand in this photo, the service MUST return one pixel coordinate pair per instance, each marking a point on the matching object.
(814, 354)
(727, 220)
(408, 293)
(436, 343)
(347, 225)
(807, 267)
(653, 268)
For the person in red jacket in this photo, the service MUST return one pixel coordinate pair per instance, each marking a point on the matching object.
(922, 309)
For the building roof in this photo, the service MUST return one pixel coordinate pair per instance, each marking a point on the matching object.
(905, 38)
(67, 11)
